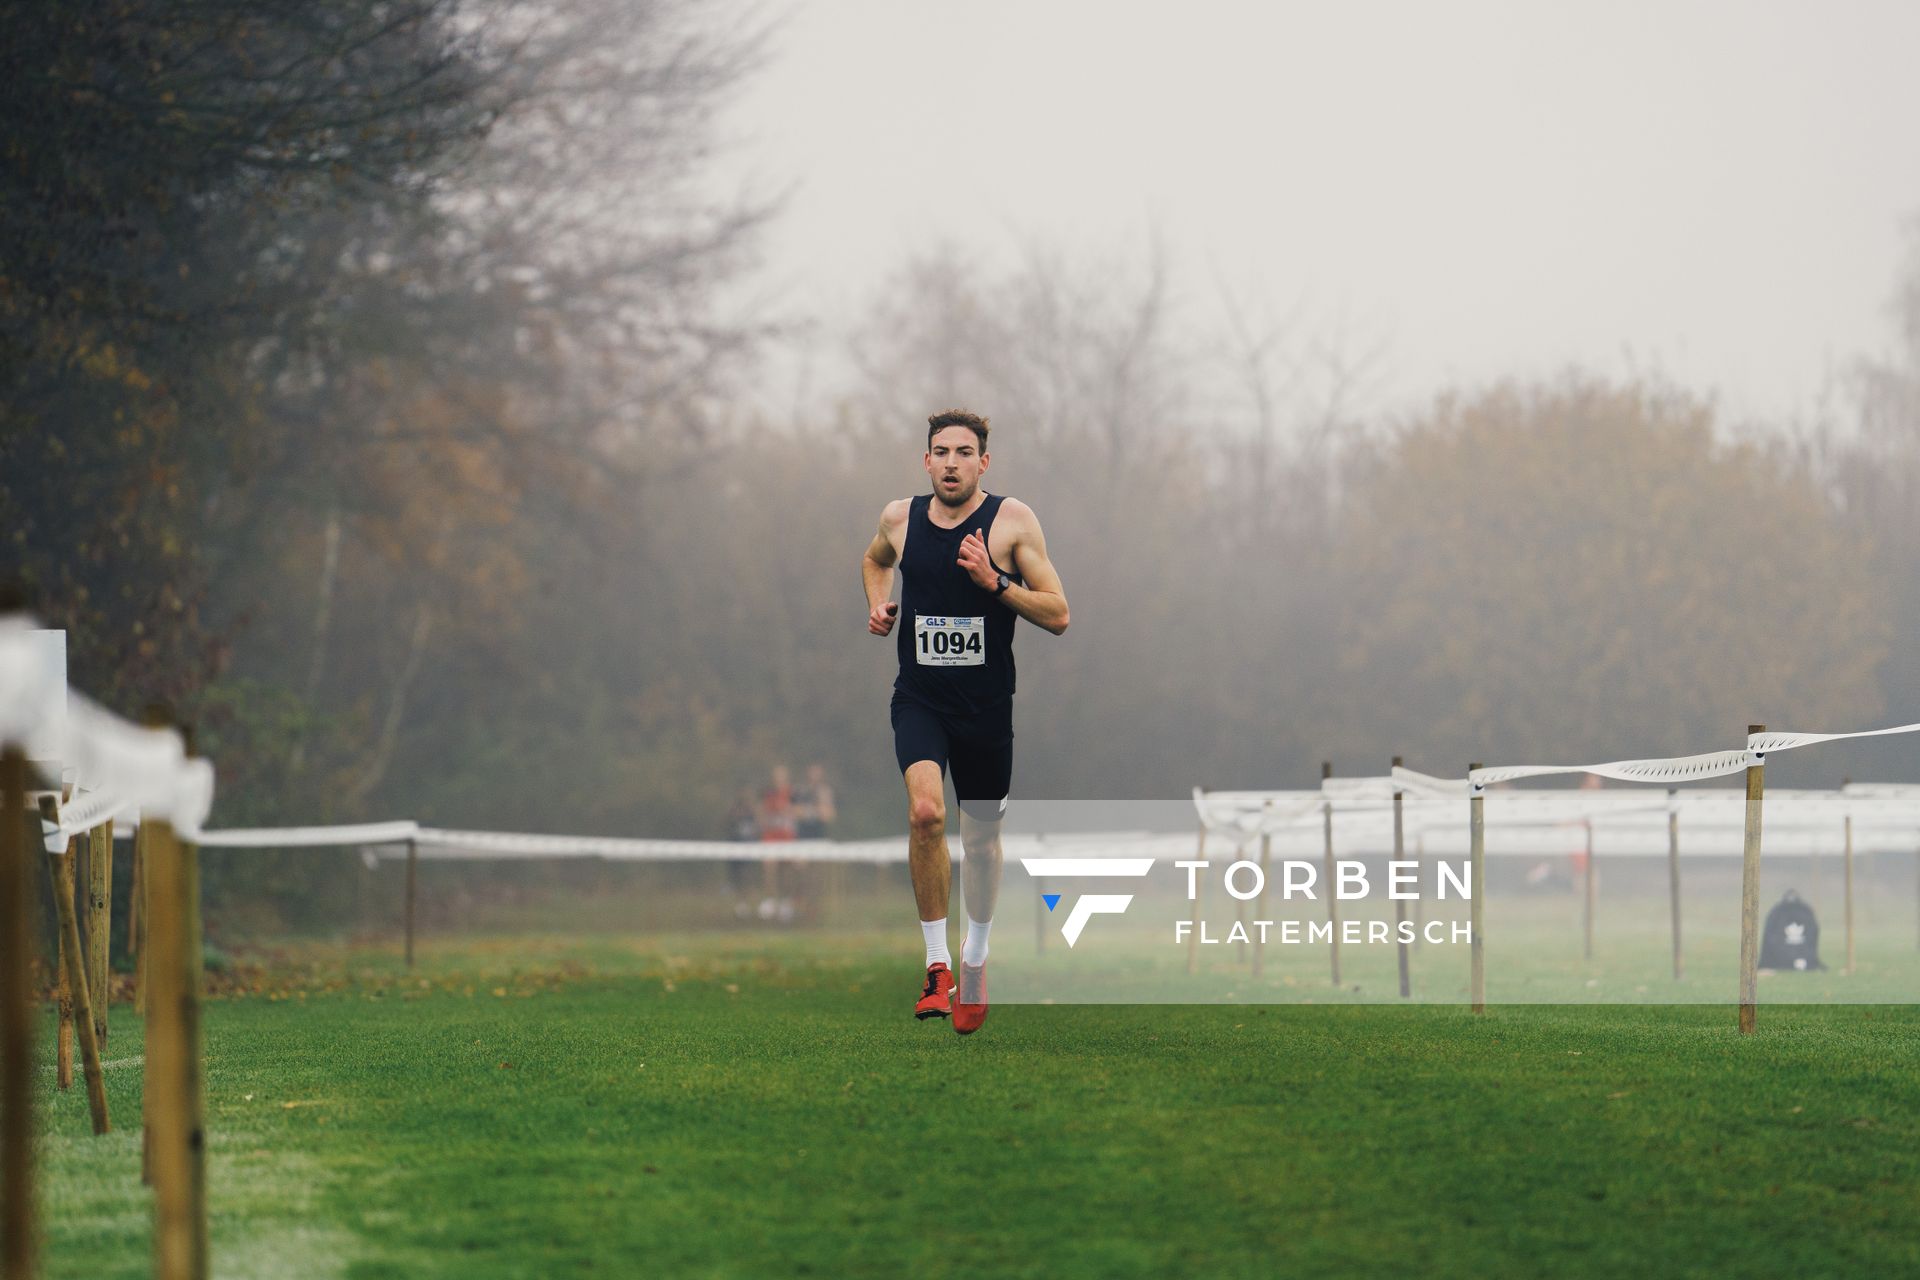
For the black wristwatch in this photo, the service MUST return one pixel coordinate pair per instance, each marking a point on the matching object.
(1005, 582)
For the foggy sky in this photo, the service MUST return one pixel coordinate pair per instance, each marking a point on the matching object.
(1711, 190)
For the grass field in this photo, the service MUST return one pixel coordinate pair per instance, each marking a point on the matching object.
(735, 1105)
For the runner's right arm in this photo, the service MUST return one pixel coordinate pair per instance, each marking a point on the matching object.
(876, 570)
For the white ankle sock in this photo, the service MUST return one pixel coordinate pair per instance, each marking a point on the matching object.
(974, 950)
(936, 935)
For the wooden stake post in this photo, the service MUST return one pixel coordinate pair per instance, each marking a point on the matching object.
(76, 999)
(16, 1025)
(1199, 896)
(1586, 890)
(1333, 896)
(1477, 833)
(99, 918)
(1400, 904)
(413, 872)
(1673, 875)
(1260, 904)
(1750, 890)
(60, 865)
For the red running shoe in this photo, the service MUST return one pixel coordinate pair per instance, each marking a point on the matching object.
(937, 1000)
(970, 1010)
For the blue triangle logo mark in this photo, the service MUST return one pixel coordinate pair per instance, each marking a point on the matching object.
(1051, 899)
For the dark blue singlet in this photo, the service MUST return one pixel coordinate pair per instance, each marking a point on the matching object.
(953, 699)
(948, 662)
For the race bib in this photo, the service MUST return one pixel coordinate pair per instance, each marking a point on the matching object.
(940, 641)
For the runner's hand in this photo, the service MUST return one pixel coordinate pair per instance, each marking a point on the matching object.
(973, 558)
(880, 619)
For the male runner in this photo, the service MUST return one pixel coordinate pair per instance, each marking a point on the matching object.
(970, 561)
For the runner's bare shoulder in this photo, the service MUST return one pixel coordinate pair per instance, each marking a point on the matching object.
(1019, 516)
(892, 535)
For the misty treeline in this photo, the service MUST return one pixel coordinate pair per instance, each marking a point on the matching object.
(369, 397)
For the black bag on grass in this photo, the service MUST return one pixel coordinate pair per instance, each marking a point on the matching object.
(1791, 938)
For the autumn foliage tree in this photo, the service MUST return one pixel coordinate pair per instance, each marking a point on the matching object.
(1581, 568)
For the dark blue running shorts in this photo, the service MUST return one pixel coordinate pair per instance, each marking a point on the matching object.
(978, 749)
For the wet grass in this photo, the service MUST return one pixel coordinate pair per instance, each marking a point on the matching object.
(725, 1106)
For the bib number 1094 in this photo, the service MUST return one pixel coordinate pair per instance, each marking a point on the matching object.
(949, 642)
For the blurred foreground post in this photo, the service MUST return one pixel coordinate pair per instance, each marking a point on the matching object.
(1400, 904)
(1750, 888)
(1673, 874)
(1477, 836)
(139, 921)
(137, 917)
(176, 1107)
(1333, 897)
(16, 1025)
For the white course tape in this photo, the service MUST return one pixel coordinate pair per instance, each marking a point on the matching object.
(436, 842)
(1766, 742)
(147, 768)
(1713, 764)
(309, 837)
(139, 768)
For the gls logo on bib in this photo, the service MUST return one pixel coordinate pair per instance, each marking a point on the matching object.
(940, 641)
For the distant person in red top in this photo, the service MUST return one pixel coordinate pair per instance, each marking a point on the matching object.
(776, 807)
(777, 818)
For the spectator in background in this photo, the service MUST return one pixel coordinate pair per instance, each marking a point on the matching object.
(743, 825)
(743, 817)
(813, 805)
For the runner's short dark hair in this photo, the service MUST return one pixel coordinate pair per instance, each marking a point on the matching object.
(957, 418)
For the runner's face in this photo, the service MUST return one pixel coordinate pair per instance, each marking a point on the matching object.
(955, 462)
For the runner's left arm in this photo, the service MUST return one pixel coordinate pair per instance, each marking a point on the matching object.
(1042, 601)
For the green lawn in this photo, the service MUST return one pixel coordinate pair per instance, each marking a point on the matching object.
(729, 1106)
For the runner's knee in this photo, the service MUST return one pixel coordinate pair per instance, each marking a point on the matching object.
(928, 814)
